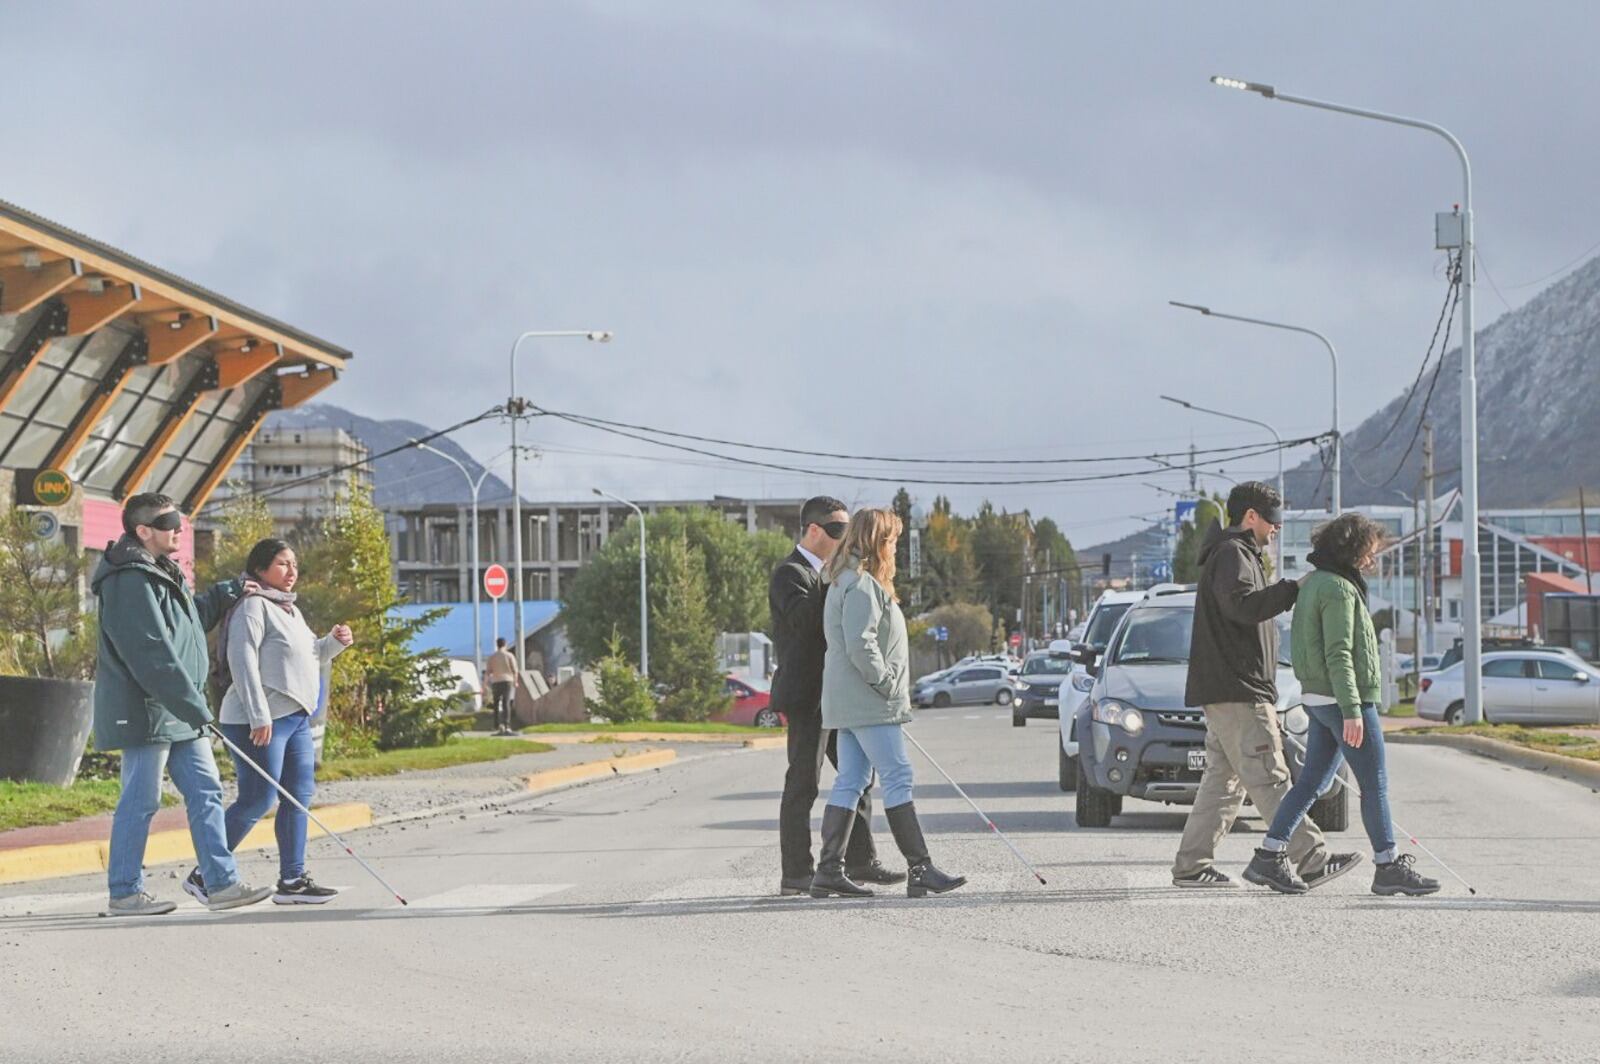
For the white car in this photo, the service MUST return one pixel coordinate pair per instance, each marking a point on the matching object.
(1544, 686)
(1097, 628)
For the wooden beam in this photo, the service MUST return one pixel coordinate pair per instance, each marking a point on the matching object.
(178, 414)
(111, 384)
(22, 289)
(168, 344)
(298, 387)
(236, 367)
(88, 311)
(52, 322)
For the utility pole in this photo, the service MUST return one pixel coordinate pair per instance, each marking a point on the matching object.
(1427, 533)
(1416, 602)
(1583, 526)
(1193, 475)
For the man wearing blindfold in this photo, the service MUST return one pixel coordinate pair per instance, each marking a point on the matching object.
(150, 703)
(796, 595)
(1233, 669)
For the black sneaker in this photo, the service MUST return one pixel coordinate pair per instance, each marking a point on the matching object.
(1270, 868)
(195, 887)
(302, 891)
(1338, 864)
(1400, 877)
(1206, 877)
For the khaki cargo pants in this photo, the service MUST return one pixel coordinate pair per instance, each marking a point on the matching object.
(1244, 755)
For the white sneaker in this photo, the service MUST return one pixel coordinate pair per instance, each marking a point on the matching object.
(236, 897)
(140, 904)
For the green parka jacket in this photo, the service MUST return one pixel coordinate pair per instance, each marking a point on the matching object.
(1332, 643)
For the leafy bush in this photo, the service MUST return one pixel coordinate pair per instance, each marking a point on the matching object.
(624, 694)
(43, 630)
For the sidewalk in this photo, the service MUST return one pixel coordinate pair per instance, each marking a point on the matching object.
(80, 846)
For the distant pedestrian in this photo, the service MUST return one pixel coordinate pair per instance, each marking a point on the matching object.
(866, 697)
(1335, 655)
(275, 663)
(1233, 663)
(500, 672)
(795, 596)
(150, 703)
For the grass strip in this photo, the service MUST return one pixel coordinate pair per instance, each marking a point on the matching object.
(33, 805)
(454, 752)
(1545, 740)
(655, 727)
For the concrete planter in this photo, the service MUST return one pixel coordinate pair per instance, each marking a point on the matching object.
(43, 727)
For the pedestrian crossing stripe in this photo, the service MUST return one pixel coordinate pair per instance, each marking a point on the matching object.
(42, 904)
(477, 896)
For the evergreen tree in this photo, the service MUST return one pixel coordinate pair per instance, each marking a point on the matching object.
(683, 639)
(43, 631)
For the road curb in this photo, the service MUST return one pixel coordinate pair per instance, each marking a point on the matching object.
(775, 742)
(54, 860)
(626, 765)
(1567, 768)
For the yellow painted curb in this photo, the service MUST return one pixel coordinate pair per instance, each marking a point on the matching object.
(776, 742)
(573, 738)
(81, 858)
(594, 770)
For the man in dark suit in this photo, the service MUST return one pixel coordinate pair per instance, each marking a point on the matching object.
(795, 595)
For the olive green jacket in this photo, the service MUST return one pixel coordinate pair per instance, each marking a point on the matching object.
(1332, 643)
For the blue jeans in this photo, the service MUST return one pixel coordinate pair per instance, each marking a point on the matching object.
(881, 747)
(1324, 746)
(288, 758)
(195, 773)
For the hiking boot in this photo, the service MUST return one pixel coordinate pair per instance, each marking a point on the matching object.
(1270, 868)
(923, 878)
(793, 885)
(195, 887)
(1400, 877)
(140, 904)
(302, 891)
(236, 897)
(830, 879)
(1207, 877)
(875, 873)
(1338, 864)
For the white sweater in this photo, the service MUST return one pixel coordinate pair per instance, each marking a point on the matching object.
(276, 662)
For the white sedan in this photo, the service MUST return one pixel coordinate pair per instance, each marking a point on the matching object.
(1548, 686)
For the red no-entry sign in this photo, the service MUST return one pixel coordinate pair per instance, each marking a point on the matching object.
(495, 581)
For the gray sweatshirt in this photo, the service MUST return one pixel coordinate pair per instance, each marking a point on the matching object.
(276, 662)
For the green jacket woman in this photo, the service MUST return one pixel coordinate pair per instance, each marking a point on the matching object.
(1332, 643)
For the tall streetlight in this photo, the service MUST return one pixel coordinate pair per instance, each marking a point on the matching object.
(1248, 421)
(644, 595)
(477, 631)
(515, 408)
(1471, 591)
(1338, 439)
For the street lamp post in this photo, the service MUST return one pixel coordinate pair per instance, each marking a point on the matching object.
(515, 407)
(1275, 435)
(477, 631)
(644, 596)
(1471, 590)
(1338, 440)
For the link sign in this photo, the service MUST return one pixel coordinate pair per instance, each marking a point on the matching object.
(42, 487)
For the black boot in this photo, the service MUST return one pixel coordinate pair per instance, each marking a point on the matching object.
(830, 879)
(908, 836)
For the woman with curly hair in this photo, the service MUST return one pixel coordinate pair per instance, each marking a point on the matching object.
(1335, 655)
(866, 697)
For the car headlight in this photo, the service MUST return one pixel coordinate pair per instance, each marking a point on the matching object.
(1296, 721)
(1020, 686)
(1082, 682)
(1128, 718)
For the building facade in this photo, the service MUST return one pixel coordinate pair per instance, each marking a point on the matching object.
(431, 545)
(300, 473)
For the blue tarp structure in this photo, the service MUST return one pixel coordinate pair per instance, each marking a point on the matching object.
(453, 632)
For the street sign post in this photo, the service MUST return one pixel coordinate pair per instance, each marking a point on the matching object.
(1161, 572)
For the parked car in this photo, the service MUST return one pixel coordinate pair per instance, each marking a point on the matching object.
(1097, 629)
(751, 705)
(1139, 740)
(978, 684)
(1534, 685)
(1493, 643)
(1430, 662)
(1038, 683)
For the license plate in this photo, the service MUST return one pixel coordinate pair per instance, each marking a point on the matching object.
(1052, 701)
(1197, 760)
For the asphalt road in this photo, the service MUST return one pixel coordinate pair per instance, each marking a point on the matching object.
(637, 920)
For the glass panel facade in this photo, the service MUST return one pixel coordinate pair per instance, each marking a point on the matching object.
(117, 439)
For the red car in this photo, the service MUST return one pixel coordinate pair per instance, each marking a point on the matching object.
(751, 705)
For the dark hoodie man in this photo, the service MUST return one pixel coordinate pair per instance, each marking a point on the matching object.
(1233, 664)
(150, 703)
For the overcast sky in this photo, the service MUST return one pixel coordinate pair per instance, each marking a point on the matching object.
(931, 229)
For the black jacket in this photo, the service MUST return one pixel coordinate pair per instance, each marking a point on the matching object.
(795, 596)
(1234, 653)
